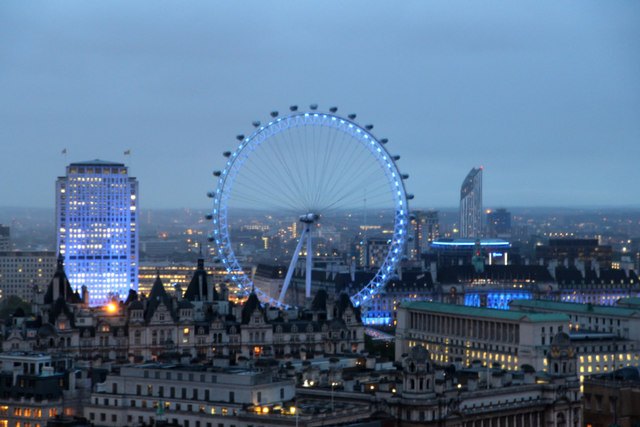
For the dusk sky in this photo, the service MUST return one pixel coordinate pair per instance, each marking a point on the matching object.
(544, 95)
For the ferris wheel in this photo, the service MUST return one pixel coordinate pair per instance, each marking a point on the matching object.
(302, 180)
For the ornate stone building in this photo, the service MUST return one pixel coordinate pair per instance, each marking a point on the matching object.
(199, 323)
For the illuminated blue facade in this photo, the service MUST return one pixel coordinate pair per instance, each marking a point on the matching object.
(414, 285)
(499, 299)
(97, 233)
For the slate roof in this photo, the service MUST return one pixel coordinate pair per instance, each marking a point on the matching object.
(136, 305)
(606, 276)
(61, 307)
(568, 275)
(133, 296)
(157, 296)
(183, 303)
(194, 291)
(571, 307)
(64, 287)
(343, 303)
(252, 304)
(319, 302)
(485, 312)
(301, 326)
(633, 302)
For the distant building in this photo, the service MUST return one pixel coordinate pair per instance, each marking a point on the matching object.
(424, 228)
(96, 213)
(495, 286)
(372, 252)
(569, 251)
(5, 238)
(411, 285)
(471, 205)
(462, 251)
(174, 273)
(602, 286)
(499, 223)
(21, 273)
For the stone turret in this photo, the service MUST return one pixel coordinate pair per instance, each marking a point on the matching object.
(417, 372)
(561, 358)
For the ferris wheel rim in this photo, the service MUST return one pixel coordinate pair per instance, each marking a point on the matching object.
(247, 145)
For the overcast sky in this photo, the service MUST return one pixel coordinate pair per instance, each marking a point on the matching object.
(544, 95)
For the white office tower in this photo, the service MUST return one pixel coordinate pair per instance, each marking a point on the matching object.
(96, 218)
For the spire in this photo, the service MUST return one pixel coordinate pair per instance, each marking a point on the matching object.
(201, 287)
(252, 304)
(157, 296)
(59, 286)
(157, 290)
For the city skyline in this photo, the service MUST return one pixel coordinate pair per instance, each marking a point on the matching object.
(531, 95)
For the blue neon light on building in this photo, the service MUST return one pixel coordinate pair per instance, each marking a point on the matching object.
(497, 299)
(96, 215)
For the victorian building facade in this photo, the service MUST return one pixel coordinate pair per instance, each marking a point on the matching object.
(199, 323)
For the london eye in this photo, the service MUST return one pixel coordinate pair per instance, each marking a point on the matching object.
(307, 174)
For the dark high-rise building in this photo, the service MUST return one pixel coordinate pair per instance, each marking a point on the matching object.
(96, 214)
(4, 238)
(424, 228)
(471, 205)
(498, 223)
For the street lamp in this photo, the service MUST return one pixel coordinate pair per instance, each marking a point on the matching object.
(333, 384)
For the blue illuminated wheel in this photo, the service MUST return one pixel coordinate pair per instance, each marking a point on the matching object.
(302, 175)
